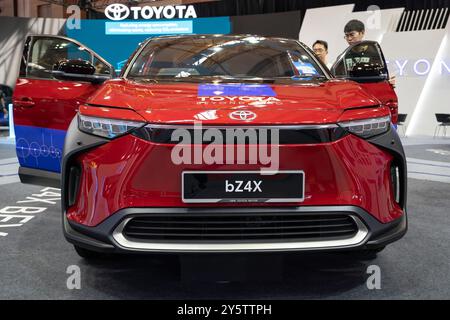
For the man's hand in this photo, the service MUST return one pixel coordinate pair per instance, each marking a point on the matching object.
(393, 81)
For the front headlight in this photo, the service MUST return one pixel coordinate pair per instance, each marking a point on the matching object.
(367, 128)
(107, 128)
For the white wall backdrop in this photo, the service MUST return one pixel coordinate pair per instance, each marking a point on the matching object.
(326, 24)
(378, 22)
(410, 54)
(435, 96)
(419, 59)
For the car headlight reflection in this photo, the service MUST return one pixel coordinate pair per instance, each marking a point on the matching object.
(106, 128)
(367, 128)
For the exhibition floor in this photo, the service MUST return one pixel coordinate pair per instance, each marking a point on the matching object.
(35, 257)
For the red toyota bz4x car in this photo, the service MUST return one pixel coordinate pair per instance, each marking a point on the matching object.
(213, 143)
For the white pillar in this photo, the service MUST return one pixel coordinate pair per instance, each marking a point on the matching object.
(12, 133)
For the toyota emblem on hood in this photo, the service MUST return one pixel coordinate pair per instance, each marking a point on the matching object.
(243, 115)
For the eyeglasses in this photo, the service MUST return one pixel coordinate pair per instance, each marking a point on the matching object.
(351, 35)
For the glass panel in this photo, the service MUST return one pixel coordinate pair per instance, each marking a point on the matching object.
(47, 52)
(339, 69)
(101, 68)
(236, 57)
(363, 53)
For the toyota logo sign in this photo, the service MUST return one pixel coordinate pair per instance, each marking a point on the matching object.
(243, 115)
(117, 11)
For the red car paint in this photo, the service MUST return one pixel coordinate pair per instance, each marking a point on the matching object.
(54, 102)
(122, 175)
(180, 104)
(64, 98)
(351, 171)
(386, 95)
(130, 172)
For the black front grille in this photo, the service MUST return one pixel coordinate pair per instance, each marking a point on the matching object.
(238, 227)
(257, 136)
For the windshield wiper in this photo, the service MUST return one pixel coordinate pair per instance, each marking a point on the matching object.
(302, 77)
(143, 79)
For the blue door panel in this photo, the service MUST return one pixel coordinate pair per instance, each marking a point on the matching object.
(40, 148)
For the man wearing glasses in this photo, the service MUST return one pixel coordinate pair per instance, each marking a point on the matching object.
(320, 48)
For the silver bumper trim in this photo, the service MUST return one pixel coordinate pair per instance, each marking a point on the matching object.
(357, 239)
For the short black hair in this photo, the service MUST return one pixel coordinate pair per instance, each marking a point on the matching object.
(322, 42)
(354, 25)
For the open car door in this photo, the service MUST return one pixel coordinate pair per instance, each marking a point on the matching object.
(57, 75)
(365, 63)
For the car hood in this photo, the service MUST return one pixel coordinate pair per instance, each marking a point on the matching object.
(245, 104)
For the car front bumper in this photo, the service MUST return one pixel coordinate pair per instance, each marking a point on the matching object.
(353, 182)
(109, 236)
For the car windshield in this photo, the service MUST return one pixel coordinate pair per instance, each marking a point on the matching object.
(240, 58)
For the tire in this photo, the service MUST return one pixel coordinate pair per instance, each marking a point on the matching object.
(89, 254)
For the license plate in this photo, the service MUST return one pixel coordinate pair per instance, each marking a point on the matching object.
(243, 186)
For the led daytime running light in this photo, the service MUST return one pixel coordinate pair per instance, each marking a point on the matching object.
(107, 128)
(367, 128)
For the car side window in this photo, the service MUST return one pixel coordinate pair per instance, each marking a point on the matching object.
(339, 69)
(45, 53)
(363, 54)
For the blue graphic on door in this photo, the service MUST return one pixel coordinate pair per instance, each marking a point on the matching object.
(40, 148)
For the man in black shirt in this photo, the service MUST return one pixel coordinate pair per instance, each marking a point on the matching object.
(354, 33)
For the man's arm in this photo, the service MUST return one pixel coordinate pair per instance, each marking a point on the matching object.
(393, 81)
(3, 106)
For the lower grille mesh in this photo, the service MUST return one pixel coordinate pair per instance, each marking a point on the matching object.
(238, 227)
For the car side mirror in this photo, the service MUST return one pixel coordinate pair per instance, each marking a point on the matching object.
(77, 70)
